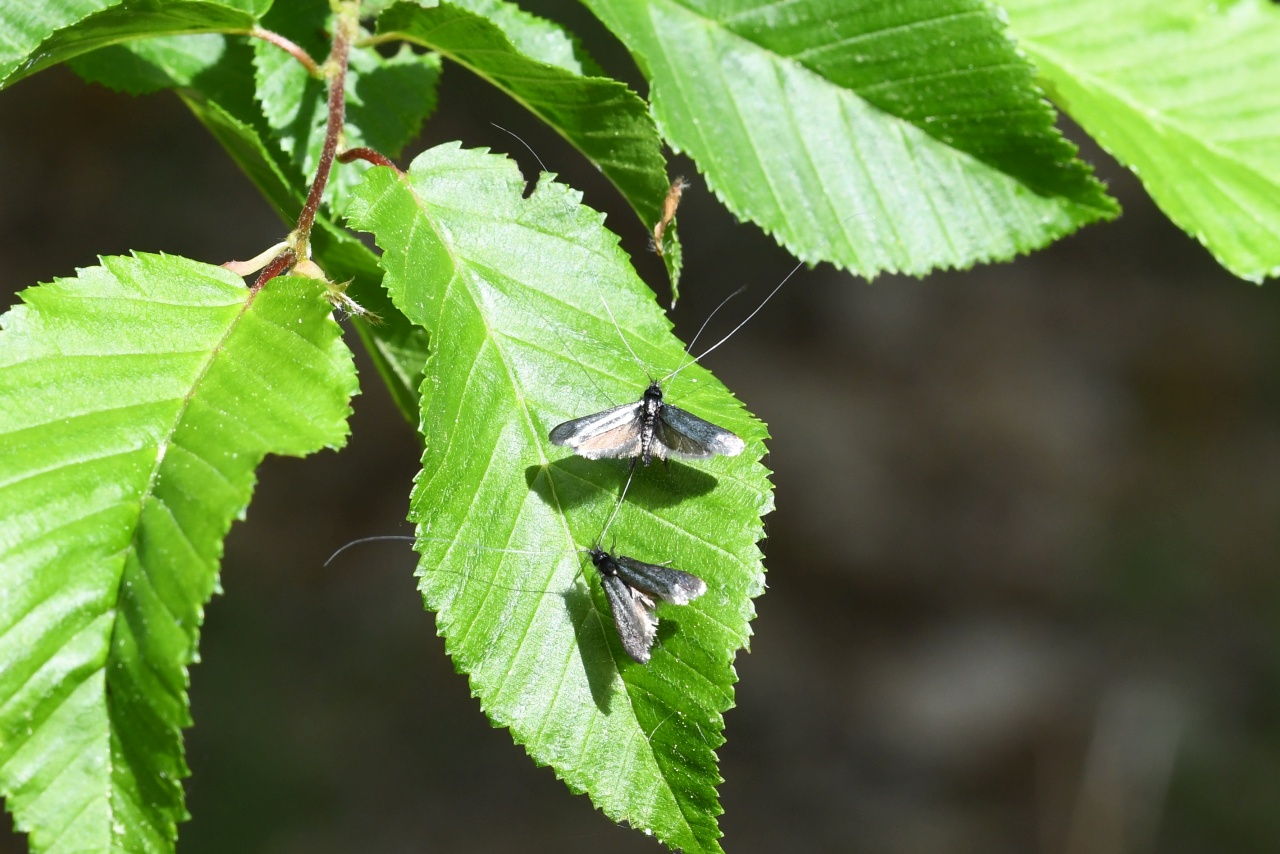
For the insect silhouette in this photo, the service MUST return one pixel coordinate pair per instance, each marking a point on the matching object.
(652, 427)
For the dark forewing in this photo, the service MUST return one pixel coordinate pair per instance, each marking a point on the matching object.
(669, 585)
(612, 433)
(683, 434)
(632, 616)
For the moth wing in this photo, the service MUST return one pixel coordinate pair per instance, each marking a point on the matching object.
(632, 617)
(684, 434)
(612, 433)
(669, 585)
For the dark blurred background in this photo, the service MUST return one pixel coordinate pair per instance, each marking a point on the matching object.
(1023, 571)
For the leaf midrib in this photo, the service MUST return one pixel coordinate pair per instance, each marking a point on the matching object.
(460, 262)
(492, 336)
(147, 493)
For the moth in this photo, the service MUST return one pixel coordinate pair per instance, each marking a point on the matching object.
(647, 429)
(652, 427)
(631, 586)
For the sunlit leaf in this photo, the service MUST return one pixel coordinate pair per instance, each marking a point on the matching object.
(1184, 93)
(878, 136)
(136, 401)
(517, 294)
(398, 347)
(600, 116)
(35, 36)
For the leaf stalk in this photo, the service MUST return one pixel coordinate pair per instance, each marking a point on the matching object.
(368, 155)
(293, 49)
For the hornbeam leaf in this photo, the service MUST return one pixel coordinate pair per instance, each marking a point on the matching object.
(878, 136)
(538, 38)
(599, 116)
(136, 401)
(517, 294)
(1183, 93)
(38, 35)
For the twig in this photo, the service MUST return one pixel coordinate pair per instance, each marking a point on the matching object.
(345, 26)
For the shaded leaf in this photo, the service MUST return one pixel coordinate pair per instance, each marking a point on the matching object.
(599, 116)
(220, 91)
(537, 38)
(1183, 93)
(388, 98)
(136, 402)
(512, 290)
(150, 65)
(877, 136)
(64, 30)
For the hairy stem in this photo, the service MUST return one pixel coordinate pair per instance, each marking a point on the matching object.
(368, 155)
(345, 26)
(288, 47)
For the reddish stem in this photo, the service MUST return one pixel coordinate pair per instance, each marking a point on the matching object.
(344, 25)
(278, 265)
(367, 154)
(289, 47)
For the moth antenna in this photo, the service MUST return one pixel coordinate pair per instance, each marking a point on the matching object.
(385, 537)
(617, 507)
(525, 144)
(625, 343)
(763, 302)
(741, 324)
(701, 329)
(535, 552)
(363, 540)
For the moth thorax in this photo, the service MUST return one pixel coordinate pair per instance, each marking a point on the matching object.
(603, 562)
(650, 407)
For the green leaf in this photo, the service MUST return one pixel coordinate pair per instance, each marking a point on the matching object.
(21, 32)
(1183, 93)
(77, 28)
(388, 98)
(513, 291)
(877, 136)
(219, 88)
(537, 38)
(397, 347)
(213, 67)
(151, 65)
(135, 403)
(599, 116)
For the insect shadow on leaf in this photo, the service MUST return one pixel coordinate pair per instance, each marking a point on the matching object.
(632, 589)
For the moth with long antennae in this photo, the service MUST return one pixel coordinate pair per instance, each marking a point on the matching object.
(632, 587)
(652, 427)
